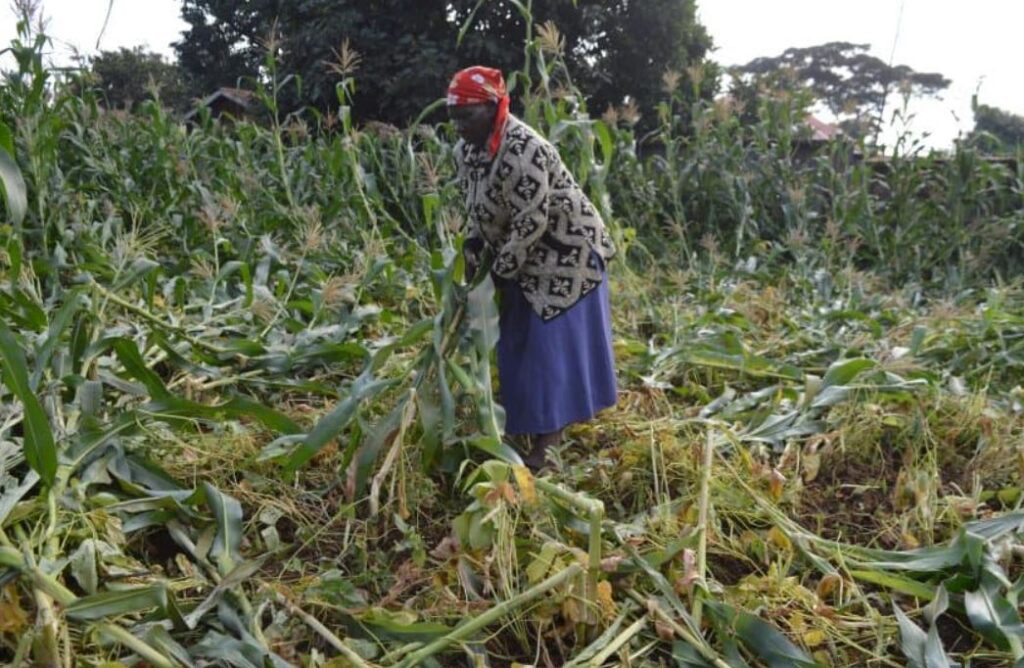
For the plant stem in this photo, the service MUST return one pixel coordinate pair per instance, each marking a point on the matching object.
(624, 637)
(142, 649)
(313, 623)
(146, 315)
(494, 614)
(698, 644)
(593, 509)
(702, 526)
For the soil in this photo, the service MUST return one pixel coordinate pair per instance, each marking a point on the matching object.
(851, 498)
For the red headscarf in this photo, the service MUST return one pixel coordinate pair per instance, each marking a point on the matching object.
(478, 85)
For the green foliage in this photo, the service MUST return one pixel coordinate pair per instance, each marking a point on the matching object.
(996, 130)
(853, 84)
(409, 48)
(126, 78)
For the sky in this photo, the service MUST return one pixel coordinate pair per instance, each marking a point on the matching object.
(973, 42)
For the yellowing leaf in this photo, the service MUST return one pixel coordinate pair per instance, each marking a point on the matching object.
(812, 466)
(605, 600)
(524, 480)
(573, 609)
(828, 585)
(814, 638)
(776, 484)
(13, 619)
(779, 539)
(540, 567)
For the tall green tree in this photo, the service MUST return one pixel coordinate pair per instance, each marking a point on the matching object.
(127, 77)
(996, 130)
(617, 49)
(853, 84)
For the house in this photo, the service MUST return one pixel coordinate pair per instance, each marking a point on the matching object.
(820, 130)
(813, 136)
(236, 103)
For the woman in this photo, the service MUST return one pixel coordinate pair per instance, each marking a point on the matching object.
(549, 245)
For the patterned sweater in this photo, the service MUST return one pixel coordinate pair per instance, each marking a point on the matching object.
(526, 206)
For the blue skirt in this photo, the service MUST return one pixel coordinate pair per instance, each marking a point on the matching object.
(554, 373)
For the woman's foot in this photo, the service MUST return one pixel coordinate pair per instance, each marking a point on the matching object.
(537, 459)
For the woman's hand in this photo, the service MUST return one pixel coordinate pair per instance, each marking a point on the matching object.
(472, 249)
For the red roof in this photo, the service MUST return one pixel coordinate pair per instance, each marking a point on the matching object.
(820, 130)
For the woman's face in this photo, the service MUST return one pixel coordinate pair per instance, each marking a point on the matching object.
(473, 122)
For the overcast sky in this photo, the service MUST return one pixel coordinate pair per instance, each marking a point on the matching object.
(974, 42)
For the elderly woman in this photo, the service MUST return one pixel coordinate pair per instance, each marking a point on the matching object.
(550, 246)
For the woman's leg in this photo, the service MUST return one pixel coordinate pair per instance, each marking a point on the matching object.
(537, 458)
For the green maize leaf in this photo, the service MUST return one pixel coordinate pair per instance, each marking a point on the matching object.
(119, 603)
(13, 187)
(12, 495)
(81, 333)
(687, 657)
(769, 644)
(483, 315)
(997, 527)
(146, 519)
(496, 449)
(330, 426)
(938, 605)
(604, 136)
(843, 372)
(860, 316)
(40, 448)
(159, 638)
(243, 269)
(140, 270)
(762, 639)
(237, 407)
(380, 438)
(83, 566)
(233, 652)
(128, 354)
(23, 310)
(227, 513)
(60, 322)
(464, 30)
(934, 653)
(241, 573)
(898, 583)
(665, 587)
(429, 414)
(922, 650)
(402, 625)
(991, 614)
(6, 138)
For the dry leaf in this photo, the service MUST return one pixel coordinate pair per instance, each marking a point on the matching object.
(605, 600)
(665, 631)
(776, 484)
(829, 584)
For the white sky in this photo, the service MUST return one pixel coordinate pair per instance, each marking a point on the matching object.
(970, 42)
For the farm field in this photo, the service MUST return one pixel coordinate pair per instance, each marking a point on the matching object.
(249, 416)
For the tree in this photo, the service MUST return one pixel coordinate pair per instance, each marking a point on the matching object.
(996, 130)
(616, 49)
(853, 84)
(125, 77)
